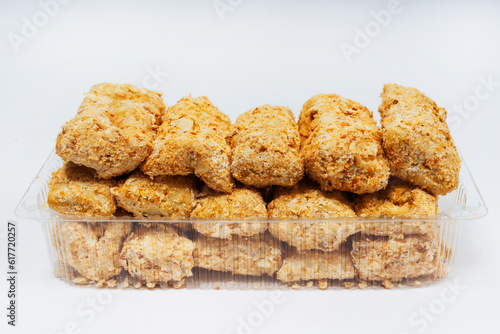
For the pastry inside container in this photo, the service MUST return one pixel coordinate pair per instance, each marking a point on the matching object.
(178, 219)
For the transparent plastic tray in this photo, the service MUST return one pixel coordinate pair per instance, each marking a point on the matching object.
(247, 263)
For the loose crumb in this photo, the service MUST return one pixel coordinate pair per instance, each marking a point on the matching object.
(179, 284)
(348, 285)
(80, 280)
(111, 283)
(387, 284)
(125, 283)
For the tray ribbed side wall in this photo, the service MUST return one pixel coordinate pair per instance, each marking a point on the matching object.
(158, 258)
(230, 272)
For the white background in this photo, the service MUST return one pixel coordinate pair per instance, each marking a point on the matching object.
(258, 52)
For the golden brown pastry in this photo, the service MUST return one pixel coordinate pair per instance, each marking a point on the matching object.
(316, 265)
(399, 199)
(306, 201)
(417, 140)
(157, 253)
(76, 190)
(341, 144)
(113, 130)
(163, 196)
(256, 255)
(266, 148)
(385, 258)
(92, 249)
(193, 138)
(241, 203)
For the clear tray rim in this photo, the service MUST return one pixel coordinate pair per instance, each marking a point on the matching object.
(29, 207)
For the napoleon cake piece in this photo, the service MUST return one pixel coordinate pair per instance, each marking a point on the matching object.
(316, 265)
(417, 140)
(341, 144)
(92, 249)
(113, 130)
(241, 203)
(162, 196)
(266, 148)
(306, 201)
(391, 259)
(193, 138)
(256, 255)
(399, 199)
(76, 190)
(156, 254)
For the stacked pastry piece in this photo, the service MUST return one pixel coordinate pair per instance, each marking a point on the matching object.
(265, 196)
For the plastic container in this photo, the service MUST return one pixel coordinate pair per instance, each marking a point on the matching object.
(90, 250)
